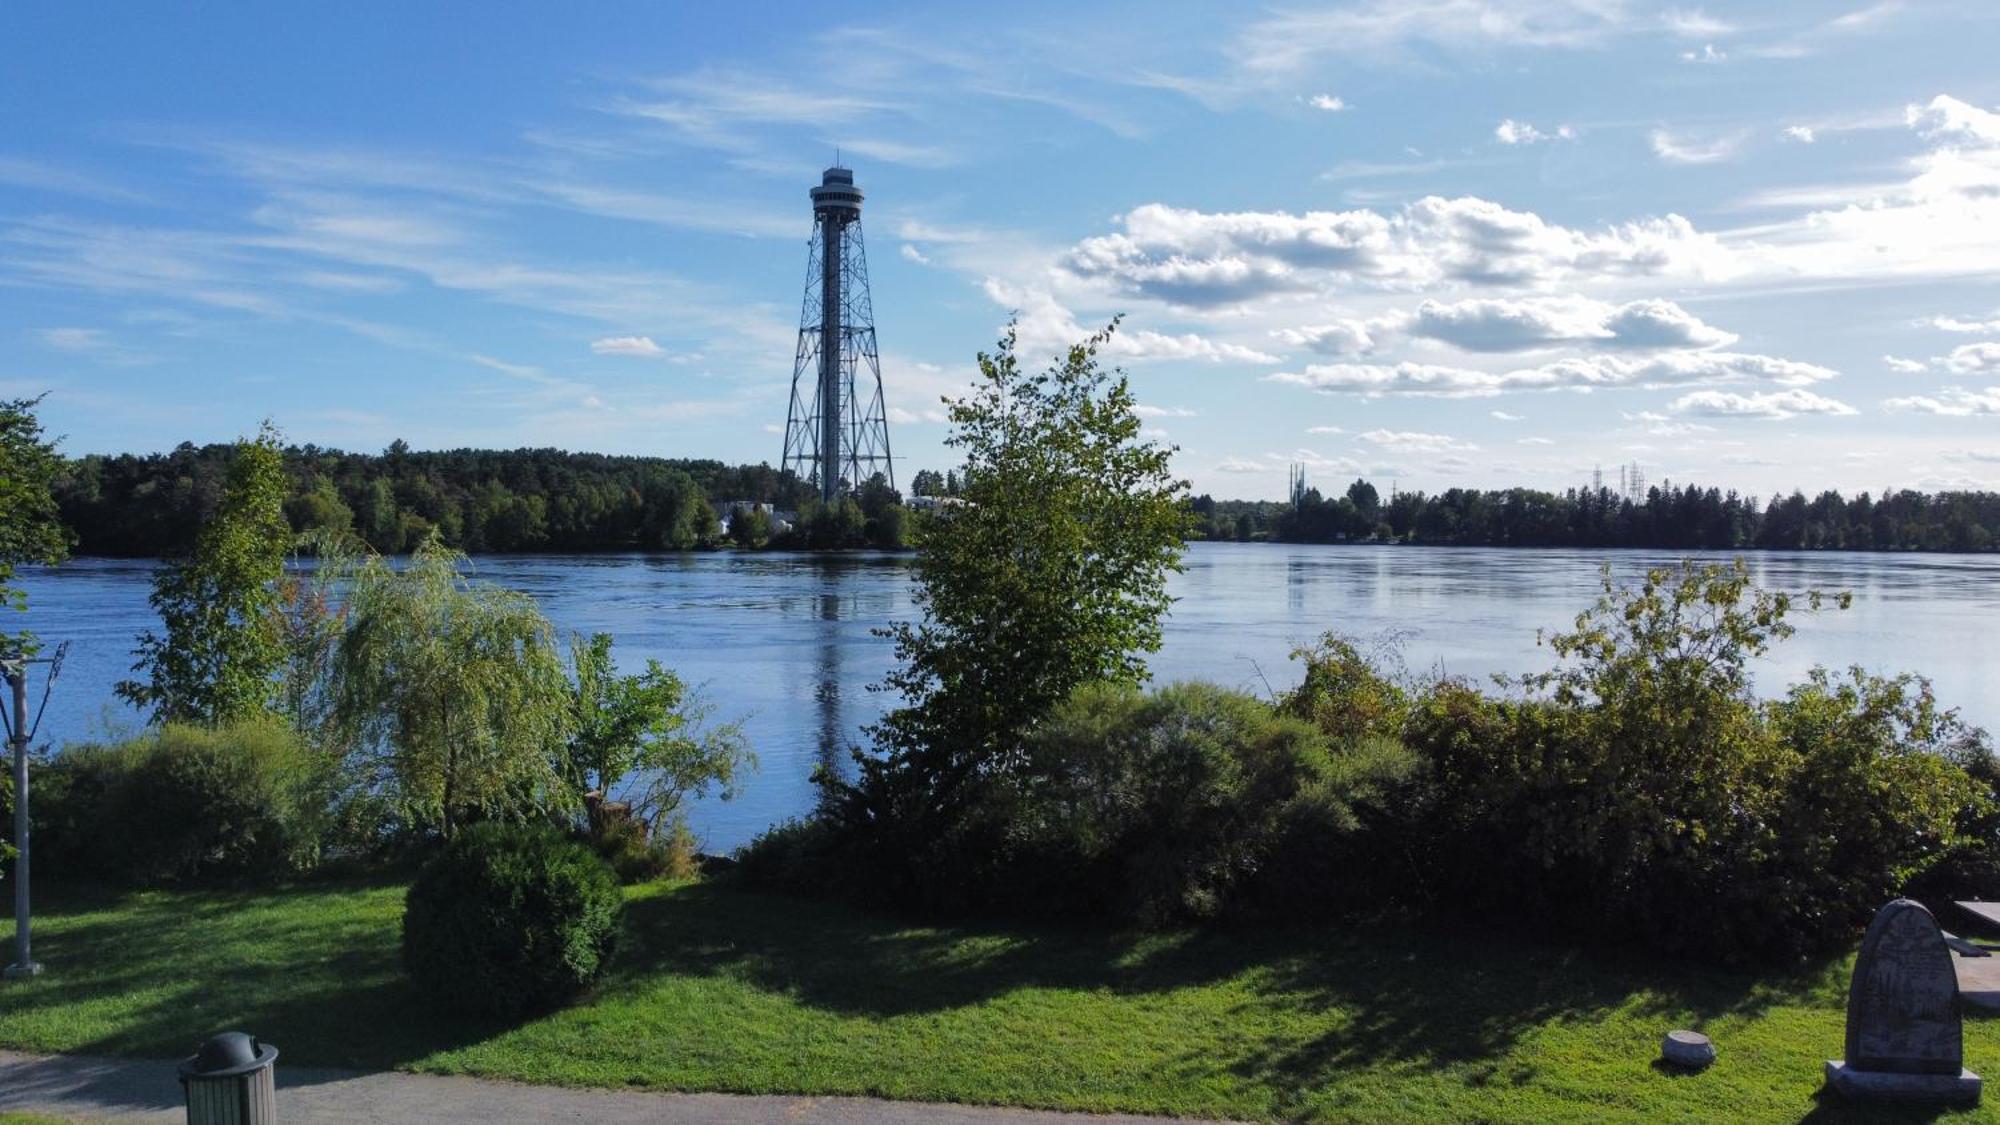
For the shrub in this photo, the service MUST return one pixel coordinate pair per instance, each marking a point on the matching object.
(510, 919)
(1649, 795)
(185, 803)
(638, 854)
(1344, 695)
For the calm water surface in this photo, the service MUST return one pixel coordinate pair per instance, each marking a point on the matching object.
(783, 643)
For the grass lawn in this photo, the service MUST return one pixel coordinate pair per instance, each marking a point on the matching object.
(718, 988)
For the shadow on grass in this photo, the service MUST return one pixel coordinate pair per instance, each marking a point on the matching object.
(313, 968)
(1389, 993)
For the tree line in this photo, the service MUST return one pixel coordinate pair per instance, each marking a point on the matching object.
(150, 505)
(1668, 517)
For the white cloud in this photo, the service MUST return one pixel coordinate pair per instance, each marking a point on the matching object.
(1503, 416)
(1145, 411)
(1772, 405)
(1505, 325)
(1215, 259)
(912, 254)
(1905, 366)
(1947, 117)
(1576, 373)
(1956, 324)
(1512, 132)
(1325, 430)
(638, 346)
(1679, 148)
(1706, 53)
(1801, 133)
(1973, 359)
(1327, 102)
(1341, 337)
(1415, 441)
(1953, 402)
(1045, 324)
(1536, 441)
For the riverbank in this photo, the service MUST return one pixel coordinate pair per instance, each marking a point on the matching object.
(720, 989)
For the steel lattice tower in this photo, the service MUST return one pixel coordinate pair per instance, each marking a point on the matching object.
(831, 437)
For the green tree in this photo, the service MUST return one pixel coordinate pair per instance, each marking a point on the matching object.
(1051, 575)
(750, 527)
(641, 739)
(219, 658)
(31, 527)
(453, 692)
(927, 482)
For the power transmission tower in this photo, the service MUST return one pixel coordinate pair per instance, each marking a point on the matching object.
(832, 437)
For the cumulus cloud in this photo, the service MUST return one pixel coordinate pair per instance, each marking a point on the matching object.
(1803, 134)
(1341, 337)
(1762, 404)
(1503, 416)
(1973, 359)
(1512, 132)
(1905, 366)
(1327, 102)
(639, 346)
(1507, 325)
(1954, 402)
(1145, 411)
(912, 254)
(1946, 117)
(1213, 259)
(1959, 324)
(1576, 373)
(1045, 324)
(1415, 441)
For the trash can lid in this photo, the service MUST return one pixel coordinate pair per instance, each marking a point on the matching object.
(228, 1055)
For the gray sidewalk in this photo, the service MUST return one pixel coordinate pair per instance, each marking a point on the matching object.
(100, 1089)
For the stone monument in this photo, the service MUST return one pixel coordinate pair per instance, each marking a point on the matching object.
(1904, 1040)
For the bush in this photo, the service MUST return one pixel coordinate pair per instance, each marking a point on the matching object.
(1153, 809)
(640, 855)
(509, 920)
(185, 803)
(1648, 795)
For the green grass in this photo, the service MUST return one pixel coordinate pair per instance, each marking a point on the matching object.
(718, 988)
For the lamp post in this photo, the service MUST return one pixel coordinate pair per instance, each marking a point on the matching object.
(19, 732)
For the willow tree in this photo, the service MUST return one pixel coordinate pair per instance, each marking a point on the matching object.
(218, 659)
(31, 527)
(453, 690)
(1048, 575)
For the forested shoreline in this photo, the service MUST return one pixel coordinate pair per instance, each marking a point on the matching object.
(478, 501)
(1667, 517)
(497, 501)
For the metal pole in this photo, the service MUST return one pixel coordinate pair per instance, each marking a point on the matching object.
(24, 963)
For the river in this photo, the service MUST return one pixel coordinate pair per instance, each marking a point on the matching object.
(784, 643)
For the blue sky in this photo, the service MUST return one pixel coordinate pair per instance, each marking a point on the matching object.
(1440, 242)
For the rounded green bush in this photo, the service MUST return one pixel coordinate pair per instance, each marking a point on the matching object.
(509, 920)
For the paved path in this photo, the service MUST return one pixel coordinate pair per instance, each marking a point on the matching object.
(97, 1089)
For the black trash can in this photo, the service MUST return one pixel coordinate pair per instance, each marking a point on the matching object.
(230, 1081)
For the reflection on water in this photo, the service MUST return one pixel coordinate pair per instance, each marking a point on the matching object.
(784, 643)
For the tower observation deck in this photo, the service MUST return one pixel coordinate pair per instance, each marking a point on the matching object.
(834, 436)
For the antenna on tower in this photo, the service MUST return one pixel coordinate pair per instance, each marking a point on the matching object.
(831, 438)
